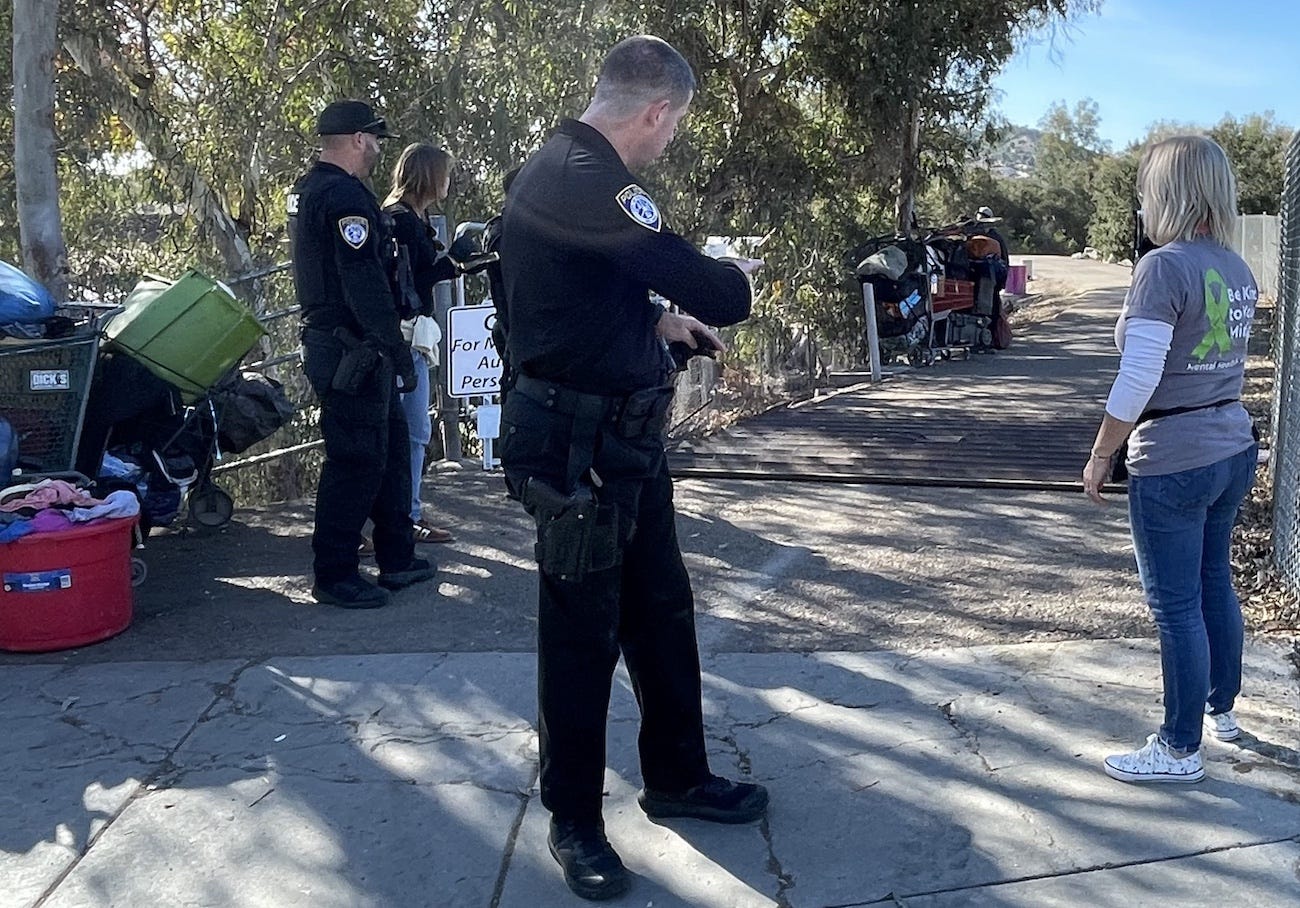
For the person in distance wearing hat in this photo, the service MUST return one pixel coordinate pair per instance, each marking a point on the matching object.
(356, 361)
(984, 221)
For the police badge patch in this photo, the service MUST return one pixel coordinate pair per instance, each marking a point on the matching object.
(354, 231)
(639, 207)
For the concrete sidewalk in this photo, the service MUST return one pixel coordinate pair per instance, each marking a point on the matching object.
(949, 777)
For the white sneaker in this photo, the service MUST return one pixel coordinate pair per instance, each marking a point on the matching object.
(1222, 725)
(1154, 763)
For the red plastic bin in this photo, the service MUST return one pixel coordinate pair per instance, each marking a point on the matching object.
(66, 588)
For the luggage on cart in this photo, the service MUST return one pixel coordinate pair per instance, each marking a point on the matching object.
(189, 332)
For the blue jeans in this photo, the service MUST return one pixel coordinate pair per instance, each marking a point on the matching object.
(416, 407)
(1182, 527)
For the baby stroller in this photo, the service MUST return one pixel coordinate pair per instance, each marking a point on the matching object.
(896, 270)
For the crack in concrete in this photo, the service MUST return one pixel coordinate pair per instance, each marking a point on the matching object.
(968, 735)
(788, 713)
(492, 736)
(512, 837)
(784, 880)
(164, 766)
(891, 898)
(169, 781)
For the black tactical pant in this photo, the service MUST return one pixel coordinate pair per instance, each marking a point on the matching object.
(641, 607)
(367, 471)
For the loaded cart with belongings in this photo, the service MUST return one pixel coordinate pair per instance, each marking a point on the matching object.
(109, 418)
(895, 269)
(932, 297)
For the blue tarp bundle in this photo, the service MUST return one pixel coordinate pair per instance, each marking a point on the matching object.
(22, 300)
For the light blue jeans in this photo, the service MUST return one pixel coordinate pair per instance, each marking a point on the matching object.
(416, 407)
(1182, 528)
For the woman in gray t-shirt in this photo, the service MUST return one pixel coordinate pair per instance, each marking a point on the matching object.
(1191, 458)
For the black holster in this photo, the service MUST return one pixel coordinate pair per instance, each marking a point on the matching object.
(576, 534)
(356, 367)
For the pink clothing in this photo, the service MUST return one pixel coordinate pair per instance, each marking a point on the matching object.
(49, 493)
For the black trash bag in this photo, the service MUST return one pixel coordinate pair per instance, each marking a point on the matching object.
(250, 407)
(8, 452)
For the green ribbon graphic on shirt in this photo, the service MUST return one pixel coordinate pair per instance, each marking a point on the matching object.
(1217, 304)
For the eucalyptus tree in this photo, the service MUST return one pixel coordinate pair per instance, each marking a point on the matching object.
(35, 43)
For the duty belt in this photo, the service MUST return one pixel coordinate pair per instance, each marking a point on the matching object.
(637, 415)
(320, 336)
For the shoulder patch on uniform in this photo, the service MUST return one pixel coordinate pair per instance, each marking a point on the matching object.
(291, 203)
(639, 207)
(354, 230)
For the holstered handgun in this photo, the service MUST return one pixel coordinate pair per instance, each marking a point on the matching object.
(357, 365)
(575, 534)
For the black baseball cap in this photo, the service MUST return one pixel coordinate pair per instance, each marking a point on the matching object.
(342, 118)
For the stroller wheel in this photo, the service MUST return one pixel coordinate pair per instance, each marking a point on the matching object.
(210, 506)
(139, 571)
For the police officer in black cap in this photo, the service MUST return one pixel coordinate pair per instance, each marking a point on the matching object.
(582, 246)
(354, 357)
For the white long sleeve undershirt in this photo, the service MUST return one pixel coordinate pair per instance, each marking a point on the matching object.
(1144, 343)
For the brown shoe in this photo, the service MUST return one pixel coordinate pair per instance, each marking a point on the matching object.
(426, 532)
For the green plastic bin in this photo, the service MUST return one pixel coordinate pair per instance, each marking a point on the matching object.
(189, 332)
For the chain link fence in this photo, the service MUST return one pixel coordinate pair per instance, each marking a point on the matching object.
(1258, 241)
(1286, 386)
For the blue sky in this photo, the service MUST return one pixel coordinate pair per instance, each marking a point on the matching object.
(1147, 60)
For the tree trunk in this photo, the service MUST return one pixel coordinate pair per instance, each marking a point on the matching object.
(40, 228)
(908, 169)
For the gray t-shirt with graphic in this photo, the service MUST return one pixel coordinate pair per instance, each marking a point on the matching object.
(1208, 294)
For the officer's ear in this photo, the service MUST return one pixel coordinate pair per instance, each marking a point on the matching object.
(656, 112)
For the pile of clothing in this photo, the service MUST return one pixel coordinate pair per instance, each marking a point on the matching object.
(52, 505)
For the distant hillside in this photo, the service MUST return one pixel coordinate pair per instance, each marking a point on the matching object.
(1014, 156)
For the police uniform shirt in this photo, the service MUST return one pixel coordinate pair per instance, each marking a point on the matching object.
(582, 245)
(337, 260)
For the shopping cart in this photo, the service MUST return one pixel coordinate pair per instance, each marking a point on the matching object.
(44, 385)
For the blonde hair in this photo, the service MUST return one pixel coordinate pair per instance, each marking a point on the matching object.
(419, 174)
(1186, 187)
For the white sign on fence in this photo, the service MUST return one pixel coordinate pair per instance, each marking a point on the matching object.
(473, 367)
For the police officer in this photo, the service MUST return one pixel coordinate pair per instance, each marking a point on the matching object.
(353, 356)
(582, 245)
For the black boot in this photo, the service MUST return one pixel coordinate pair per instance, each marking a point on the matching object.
(418, 571)
(591, 867)
(350, 592)
(718, 800)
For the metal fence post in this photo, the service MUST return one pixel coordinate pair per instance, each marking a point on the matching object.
(448, 406)
(873, 331)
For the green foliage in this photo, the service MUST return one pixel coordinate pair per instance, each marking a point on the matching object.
(1256, 146)
(184, 122)
(1114, 198)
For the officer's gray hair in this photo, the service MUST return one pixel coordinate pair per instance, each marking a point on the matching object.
(1185, 183)
(643, 70)
(335, 142)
